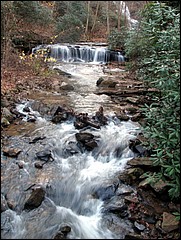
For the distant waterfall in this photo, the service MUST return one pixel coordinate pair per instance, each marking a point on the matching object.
(132, 23)
(87, 54)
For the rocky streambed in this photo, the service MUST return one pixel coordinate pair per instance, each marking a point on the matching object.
(130, 206)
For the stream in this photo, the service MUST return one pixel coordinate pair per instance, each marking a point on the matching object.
(80, 186)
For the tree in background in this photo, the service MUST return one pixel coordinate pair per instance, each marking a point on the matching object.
(71, 24)
(87, 22)
(8, 25)
(15, 15)
(33, 12)
(95, 17)
(108, 21)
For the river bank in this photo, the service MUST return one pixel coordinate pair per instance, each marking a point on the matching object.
(150, 209)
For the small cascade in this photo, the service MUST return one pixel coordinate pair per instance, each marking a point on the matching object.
(85, 54)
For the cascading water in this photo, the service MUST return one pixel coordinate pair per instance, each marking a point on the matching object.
(70, 182)
(74, 177)
(124, 10)
(77, 53)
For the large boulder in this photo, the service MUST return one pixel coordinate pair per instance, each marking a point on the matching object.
(36, 198)
(86, 140)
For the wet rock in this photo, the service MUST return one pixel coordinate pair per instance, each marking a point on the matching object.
(65, 229)
(60, 72)
(139, 226)
(39, 165)
(58, 110)
(62, 114)
(4, 103)
(26, 109)
(125, 178)
(124, 190)
(86, 140)
(11, 152)
(36, 139)
(144, 183)
(31, 119)
(117, 225)
(11, 204)
(45, 155)
(72, 148)
(82, 120)
(133, 236)
(149, 219)
(99, 116)
(131, 110)
(4, 205)
(30, 186)
(35, 199)
(169, 222)
(122, 117)
(142, 161)
(134, 142)
(131, 198)
(117, 206)
(67, 87)
(59, 235)
(17, 114)
(79, 125)
(107, 83)
(153, 205)
(93, 124)
(131, 176)
(106, 193)
(7, 115)
(4, 122)
(90, 145)
(61, 117)
(174, 207)
(84, 137)
(160, 187)
(135, 173)
(140, 150)
(20, 164)
(99, 81)
(62, 233)
(38, 106)
(136, 117)
(132, 100)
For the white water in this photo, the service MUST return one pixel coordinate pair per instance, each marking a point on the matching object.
(132, 23)
(84, 54)
(84, 78)
(73, 179)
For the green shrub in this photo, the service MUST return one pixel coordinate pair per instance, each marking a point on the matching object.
(117, 39)
(158, 40)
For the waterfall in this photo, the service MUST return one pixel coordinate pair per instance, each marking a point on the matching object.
(85, 54)
(126, 13)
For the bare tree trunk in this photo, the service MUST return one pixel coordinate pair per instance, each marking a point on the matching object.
(119, 14)
(125, 16)
(95, 18)
(7, 28)
(108, 22)
(87, 23)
